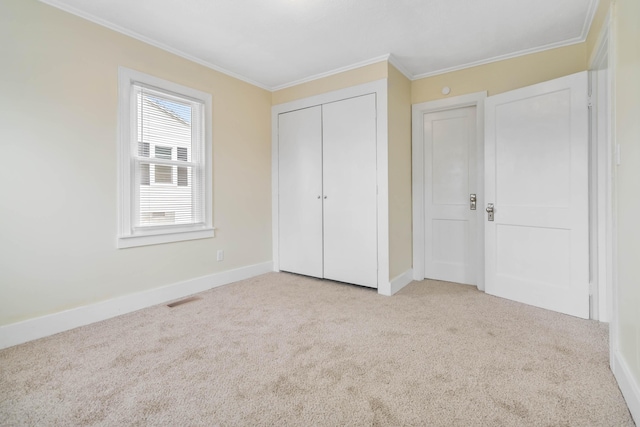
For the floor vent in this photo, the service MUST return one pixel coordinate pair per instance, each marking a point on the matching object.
(182, 301)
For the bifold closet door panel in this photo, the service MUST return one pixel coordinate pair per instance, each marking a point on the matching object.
(300, 191)
(349, 181)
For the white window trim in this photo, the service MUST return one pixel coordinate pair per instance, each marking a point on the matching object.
(126, 237)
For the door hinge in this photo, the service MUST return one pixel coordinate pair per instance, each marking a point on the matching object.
(589, 102)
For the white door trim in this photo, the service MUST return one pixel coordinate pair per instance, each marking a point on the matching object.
(601, 178)
(417, 176)
(379, 87)
(603, 56)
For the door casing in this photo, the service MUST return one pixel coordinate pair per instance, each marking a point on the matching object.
(606, 291)
(379, 87)
(417, 177)
(603, 182)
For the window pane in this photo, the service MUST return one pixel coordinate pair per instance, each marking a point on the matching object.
(168, 204)
(164, 122)
(168, 194)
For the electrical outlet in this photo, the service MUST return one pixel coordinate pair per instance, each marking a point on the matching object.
(220, 255)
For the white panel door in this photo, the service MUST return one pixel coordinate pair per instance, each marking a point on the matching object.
(300, 190)
(349, 177)
(450, 180)
(536, 163)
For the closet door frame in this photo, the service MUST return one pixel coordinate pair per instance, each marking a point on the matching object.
(378, 87)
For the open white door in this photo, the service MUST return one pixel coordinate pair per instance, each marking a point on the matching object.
(536, 166)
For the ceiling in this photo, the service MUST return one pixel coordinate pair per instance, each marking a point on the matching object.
(279, 43)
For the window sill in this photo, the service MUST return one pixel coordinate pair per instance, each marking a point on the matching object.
(156, 239)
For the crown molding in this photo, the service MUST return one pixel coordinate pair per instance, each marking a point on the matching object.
(400, 67)
(593, 6)
(333, 72)
(500, 58)
(591, 12)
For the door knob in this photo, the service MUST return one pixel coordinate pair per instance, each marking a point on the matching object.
(490, 211)
(472, 202)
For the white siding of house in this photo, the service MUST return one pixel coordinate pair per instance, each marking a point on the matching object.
(163, 203)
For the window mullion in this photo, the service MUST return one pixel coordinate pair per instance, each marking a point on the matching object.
(156, 161)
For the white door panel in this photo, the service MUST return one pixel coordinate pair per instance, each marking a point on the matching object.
(536, 153)
(300, 190)
(349, 178)
(450, 171)
(533, 137)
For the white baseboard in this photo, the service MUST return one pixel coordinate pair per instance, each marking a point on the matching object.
(628, 385)
(400, 281)
(39, 327)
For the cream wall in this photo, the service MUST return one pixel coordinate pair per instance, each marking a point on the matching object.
(627, 133)
(399, 130)
(502, 76)
(625, 51)
(58, 118)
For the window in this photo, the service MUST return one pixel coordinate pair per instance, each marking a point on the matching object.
(164, 161)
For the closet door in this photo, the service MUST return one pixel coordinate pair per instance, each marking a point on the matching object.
(300, 190)
(350, 201)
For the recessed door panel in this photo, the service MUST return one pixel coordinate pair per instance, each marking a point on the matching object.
(450, 241)
(300, 191)
(350, 200)
(536, 162)
(450, 171)
(521, 250)
(533, 138)
(450, 160)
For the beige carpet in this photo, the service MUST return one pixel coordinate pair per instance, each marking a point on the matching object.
(281, 349)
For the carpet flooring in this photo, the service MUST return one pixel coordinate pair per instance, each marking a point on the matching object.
(288, 350)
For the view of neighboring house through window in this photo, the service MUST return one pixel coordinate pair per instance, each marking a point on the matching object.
(165, 137)
(166, 188)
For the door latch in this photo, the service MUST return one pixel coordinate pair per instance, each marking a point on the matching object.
(490, 211)
(472, 202)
